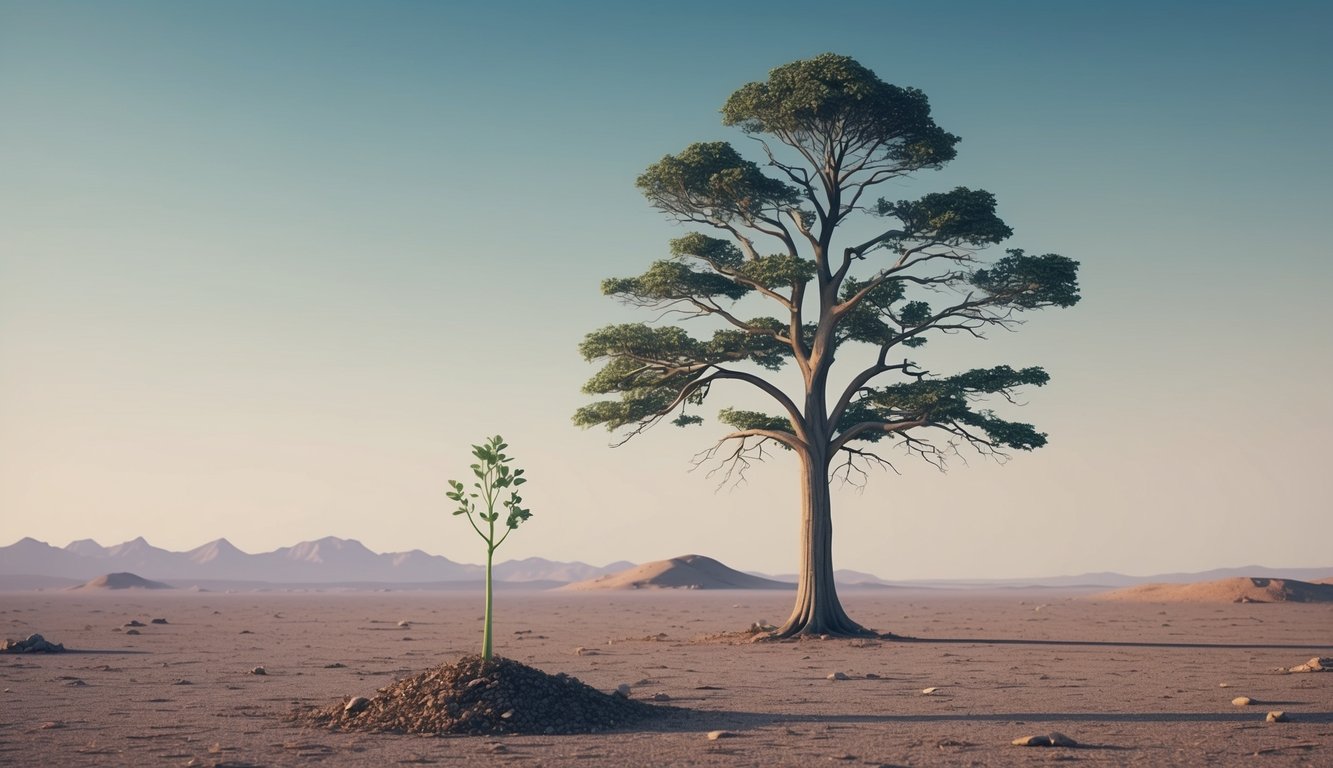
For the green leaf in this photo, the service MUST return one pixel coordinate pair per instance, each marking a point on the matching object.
(712, 178)
(806, 101)
(1031, 282)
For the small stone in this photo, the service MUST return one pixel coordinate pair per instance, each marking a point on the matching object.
(131, 631)
(661, 697)
(507, 715)
(837, 676)
(1060, 740)
(1242, 701)
(335, 665)
(76, 683)
(872, 676)
(1049, 740)
(1224, 685)
(405, 623)
(1317, 664)
(623, 690)
(182, 681)
(259, 671)
(715, 735)
(929, 691)
(356, 704)
(135, 623)
(1276, 717)
(158, 621)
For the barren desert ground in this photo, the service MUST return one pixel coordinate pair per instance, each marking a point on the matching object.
(1132, 683)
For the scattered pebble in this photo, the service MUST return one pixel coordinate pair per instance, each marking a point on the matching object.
(31, 644)
(356, 704)
(661, 697)
(715, 735)
(259, 671)
(623, 690)
(335, 665)
(1242, 701)
(1276, 717)
(1060, 740)
(1224, 685)
(837, 676)
(1052, 739)
(76, 683)
(872, 676)
(1317, 664)
(131, 631)
(929, 691)
(135, 623)
(158, 621)
(405, 623)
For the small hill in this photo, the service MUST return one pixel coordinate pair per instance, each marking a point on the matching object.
(684, 572)
(1237, 590)
(122, 581)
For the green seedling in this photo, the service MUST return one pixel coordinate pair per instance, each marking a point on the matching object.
(494, 475)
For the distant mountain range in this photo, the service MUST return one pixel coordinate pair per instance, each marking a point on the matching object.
(28, 563)
(324, 561)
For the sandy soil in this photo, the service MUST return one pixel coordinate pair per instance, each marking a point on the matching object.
(1129, 681)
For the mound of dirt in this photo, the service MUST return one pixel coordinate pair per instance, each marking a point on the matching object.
(122, 581)
(1237, 590)
(685, 572)
(476, 697)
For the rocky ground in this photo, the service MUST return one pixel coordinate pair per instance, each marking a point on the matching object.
(215, 680)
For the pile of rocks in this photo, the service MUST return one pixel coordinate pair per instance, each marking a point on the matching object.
(477, 697)
(32, 644)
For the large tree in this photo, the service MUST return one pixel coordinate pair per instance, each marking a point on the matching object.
(829, 131)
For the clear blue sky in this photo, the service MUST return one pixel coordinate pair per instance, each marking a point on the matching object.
(267, 269)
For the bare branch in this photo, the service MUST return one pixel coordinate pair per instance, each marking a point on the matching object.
(853, 470)
(748, 448)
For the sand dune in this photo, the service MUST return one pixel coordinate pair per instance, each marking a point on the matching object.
(684, 572)
(1237, 590)
(122, 581)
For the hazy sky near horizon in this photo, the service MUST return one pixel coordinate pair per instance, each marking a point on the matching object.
(267, 270)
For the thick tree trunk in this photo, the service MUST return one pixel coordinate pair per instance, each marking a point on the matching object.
(817, 611)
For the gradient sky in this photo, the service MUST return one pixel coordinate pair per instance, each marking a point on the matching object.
(267, 269)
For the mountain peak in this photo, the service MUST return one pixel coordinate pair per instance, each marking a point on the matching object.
(85, 547)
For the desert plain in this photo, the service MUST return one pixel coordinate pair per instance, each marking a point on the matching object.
(1132, 682)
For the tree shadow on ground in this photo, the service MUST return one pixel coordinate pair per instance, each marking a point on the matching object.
(889, 637)
(685, 720)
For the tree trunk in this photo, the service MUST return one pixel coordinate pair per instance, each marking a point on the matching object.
(817, 611)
